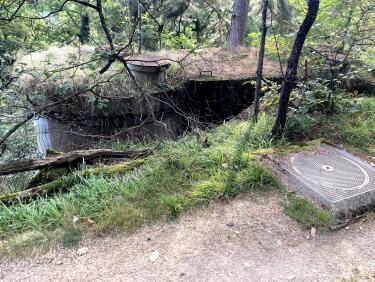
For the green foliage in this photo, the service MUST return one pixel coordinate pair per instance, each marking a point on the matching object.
(26, 244)
(270, 98)
(307, 213)
(276, 46)
(316, 97)
(207, 190)
(343, 30)
(120, 217)
(315, 102)
(21, 145)
(299, 125)
(354, 125)
(351, 124)
(184, 40)
(257, 178)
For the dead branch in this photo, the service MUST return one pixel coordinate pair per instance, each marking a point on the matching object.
(70, 159)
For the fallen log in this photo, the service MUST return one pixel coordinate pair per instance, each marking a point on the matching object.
(47, 175)
(63, 184)
(70, 159)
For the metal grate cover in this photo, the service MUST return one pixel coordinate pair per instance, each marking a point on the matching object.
(333, 177)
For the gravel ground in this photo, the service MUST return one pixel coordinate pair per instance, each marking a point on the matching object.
(244, 240)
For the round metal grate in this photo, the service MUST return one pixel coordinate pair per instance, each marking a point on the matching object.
(330, 171)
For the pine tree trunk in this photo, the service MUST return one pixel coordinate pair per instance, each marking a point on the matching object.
(84, 35)
(238, 24)
(260, 59)
(128, 22)
(140, 38)
(291, 71)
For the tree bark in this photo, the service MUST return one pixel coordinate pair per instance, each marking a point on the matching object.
(140, 39)
(260, 59)
(238, 23)
(69, 159)
(291, 70)
(128, 23)
(84, 35)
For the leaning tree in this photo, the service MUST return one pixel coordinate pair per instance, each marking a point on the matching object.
(291, 70)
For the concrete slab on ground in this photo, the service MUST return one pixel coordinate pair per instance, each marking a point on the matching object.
(334, 178)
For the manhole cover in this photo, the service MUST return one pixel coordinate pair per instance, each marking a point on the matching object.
(333, 177)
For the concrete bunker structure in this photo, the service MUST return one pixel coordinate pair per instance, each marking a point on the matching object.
(212, 86)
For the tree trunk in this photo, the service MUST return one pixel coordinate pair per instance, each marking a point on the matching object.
(198, 30)
(260, 59)
(238, 24)
(84, 35)
(128, 27)
(140, 38)
(291, 70)
(69, 159)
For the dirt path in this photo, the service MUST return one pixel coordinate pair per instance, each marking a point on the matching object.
(244, 240)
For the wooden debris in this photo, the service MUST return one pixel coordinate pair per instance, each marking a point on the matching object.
(70, 159)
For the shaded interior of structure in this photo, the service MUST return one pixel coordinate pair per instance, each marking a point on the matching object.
(80, 123)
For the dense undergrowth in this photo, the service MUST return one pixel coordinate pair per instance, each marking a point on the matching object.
(352, 124)
(181, 175)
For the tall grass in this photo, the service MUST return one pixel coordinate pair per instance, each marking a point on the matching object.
(179, 176)
(354, 125)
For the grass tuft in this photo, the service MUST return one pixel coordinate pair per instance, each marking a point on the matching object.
(207, 190)
(176, 204)
(307, 214)
(29, 243)
(71, 236)
(257, 178)
(120, 218)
